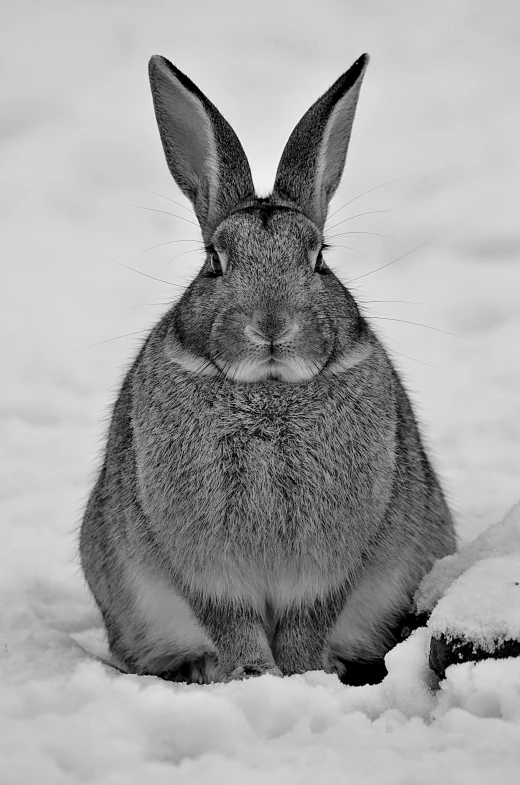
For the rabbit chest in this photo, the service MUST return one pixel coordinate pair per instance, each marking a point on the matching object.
(262, 488)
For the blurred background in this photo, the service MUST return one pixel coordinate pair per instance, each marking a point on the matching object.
(436, 137)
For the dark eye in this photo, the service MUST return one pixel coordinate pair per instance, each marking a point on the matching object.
(215, 263)
(318, 265)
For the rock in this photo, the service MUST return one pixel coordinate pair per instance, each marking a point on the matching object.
(446, 651)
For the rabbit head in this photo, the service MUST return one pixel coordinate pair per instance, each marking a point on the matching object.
(264, 306)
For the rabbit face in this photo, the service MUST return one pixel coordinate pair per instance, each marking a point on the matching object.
(264, 306)
(260, 308)
(271, 325)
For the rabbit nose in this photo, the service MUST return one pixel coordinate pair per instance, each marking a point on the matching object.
(272, 334)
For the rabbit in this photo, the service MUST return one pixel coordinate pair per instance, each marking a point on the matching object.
(265, 504)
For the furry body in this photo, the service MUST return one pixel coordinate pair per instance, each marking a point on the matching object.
(212, 499)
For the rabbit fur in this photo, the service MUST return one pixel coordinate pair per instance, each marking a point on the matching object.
(265, 504)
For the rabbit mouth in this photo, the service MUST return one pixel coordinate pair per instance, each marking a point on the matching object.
(291, 370)
(272, 367)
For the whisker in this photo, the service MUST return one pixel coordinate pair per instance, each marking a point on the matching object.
(148, 305)
(401, 354)
(135, 332)
(387, 337)
(417, 324)
(368, 318)
(390, 182)
(168, 242)
(152, 277)
(414, 359)
(405, 302)
(387, 264)
(165, 212)
(348, 248)
(192, 250)
(184, 207)
(359, 215)
(375, 234)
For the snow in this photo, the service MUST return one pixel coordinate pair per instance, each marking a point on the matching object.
(85, 723)
(439, 112)
(483, 605)
(475, 594)
(502, 539)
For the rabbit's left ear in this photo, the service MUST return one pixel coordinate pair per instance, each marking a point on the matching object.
(203, 152)
(314, 157)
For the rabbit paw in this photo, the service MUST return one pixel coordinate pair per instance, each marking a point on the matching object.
(200, 670)
(204, 670)
(358, 673)
(248, 671)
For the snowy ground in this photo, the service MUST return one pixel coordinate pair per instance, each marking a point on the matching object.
(439, 111)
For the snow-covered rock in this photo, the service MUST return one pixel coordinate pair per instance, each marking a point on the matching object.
(500, 539)
(483, 605)
(472, 598)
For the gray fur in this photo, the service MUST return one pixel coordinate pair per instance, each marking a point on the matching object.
(265, 502)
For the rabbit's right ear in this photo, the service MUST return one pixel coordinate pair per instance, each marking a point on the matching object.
(313, 159)
(203, 152)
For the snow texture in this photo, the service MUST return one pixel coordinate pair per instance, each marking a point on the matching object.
(483, 605)
(500, 540)
(475, 593)
(438, 113)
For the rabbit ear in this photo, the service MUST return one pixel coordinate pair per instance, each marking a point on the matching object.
(313, 159)
(203, 153)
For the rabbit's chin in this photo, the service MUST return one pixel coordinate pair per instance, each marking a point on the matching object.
(293, 370)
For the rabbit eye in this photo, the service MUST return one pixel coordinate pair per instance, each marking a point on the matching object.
(318, 265)
(216, 265)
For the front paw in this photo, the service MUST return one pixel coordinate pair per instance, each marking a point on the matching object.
(249, 671)
(198, 670)
(204, 670)
(357, 673)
